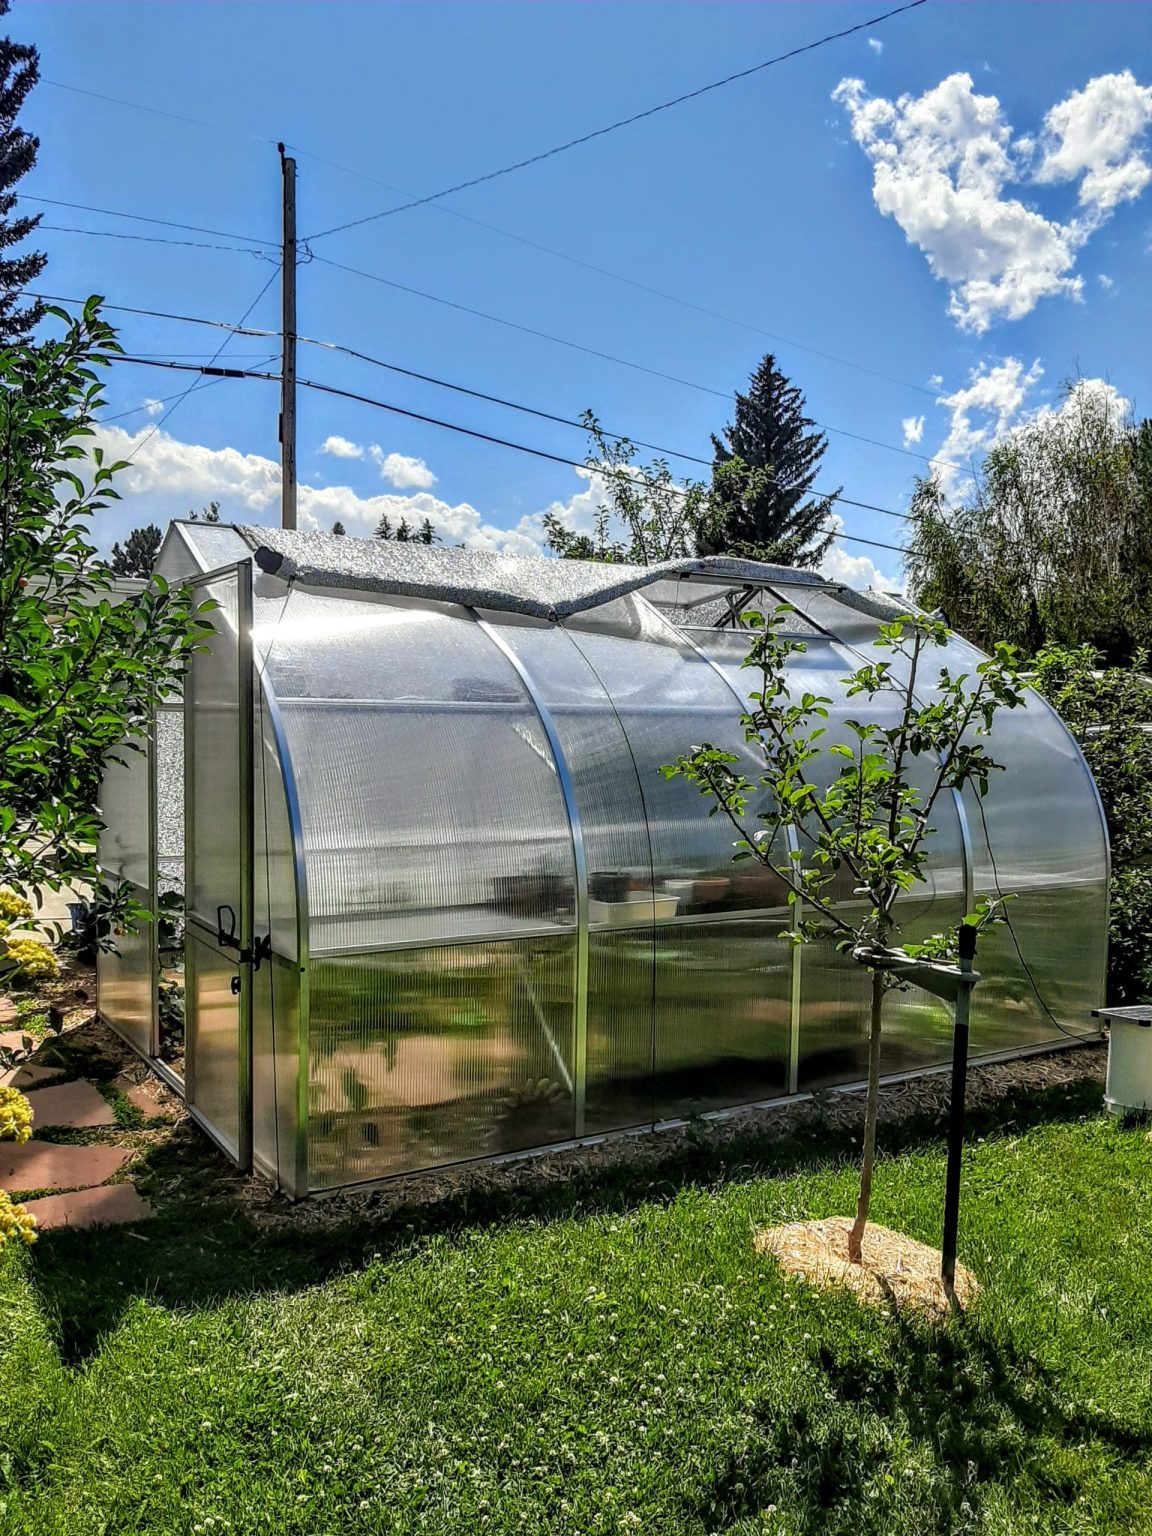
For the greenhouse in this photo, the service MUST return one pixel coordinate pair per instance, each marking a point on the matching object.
(425, 895)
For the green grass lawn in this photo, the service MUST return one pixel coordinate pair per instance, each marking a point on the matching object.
(609, 1356)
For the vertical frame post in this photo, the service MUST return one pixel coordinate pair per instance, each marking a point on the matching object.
(968, 979)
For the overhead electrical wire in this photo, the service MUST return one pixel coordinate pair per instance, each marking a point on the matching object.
(158, 314)
(623, 122)
(462, 389)
(123, 234)
(144, 218)
(210, 370)
(608, 357)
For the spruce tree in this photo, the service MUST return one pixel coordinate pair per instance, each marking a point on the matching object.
(763, 468)
(138, 553)
(427, 533)
(19, 72)
(339, 529)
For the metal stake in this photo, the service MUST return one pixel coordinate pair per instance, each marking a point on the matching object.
(968, 979)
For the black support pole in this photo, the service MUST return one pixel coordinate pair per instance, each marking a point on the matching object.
(967, 951)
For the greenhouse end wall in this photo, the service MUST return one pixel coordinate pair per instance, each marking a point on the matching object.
(495, 926)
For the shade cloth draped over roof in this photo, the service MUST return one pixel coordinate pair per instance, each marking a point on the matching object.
(544, 588)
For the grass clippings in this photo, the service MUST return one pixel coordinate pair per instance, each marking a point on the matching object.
(895, 1270)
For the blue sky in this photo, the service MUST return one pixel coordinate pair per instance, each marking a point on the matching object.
(995, 229)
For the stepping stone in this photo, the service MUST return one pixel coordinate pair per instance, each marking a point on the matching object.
(106, 1207)
(77, 1105)
(44, 1165)
(137, 1094)
(13, 1039)
(30, 1076)
(7, 1010)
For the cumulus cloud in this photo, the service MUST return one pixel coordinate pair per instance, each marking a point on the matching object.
(401, 471)
(913, 427)
(341, 448)
(983, 412)
(876, 45)
(859, 571)
(153, 407)
(942, 163)
(167, 476)
(1097, 134)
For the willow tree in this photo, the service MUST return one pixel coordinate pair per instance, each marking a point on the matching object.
(867, 820)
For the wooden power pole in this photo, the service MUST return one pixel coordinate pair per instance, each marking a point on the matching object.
(288, 334)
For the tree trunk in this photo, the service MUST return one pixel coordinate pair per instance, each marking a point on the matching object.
(868, 1153)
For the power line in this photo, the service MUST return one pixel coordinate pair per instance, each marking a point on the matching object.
(203, 368)
(622, 362)
(208, 369)
(462, 389)
(123, 234)
(143, 218)
(179, 117)
(164, 399)
(624, 122)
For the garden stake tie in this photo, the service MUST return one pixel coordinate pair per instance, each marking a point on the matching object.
(967, 980)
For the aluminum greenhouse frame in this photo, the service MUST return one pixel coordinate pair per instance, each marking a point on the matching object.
(440, 904)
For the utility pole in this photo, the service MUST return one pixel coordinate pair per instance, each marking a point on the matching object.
(288, 334)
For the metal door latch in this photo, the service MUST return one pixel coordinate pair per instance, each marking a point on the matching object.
(227, 938)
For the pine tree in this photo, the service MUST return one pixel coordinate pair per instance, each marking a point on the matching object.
(210, 514)
(339, 529)
(137, 555)
(384, 527)
(427, 533)
(404, 531)
(762, 473)
(19, 72)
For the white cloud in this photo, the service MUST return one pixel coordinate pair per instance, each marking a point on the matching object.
(168, 476)
(858, 571)
(341, 448)
(401, 471)
(1106, 282)
(153, 407)
(1095, 134)
(876, 45)
(913, 430)
(983, 413)
(940, 164)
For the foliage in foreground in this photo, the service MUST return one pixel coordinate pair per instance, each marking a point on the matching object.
(77, 674)
(618, 1363)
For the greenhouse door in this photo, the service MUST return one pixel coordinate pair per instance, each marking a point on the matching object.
(218, 872)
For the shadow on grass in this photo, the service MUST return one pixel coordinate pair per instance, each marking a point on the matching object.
(203, 1247)
(982, 1414)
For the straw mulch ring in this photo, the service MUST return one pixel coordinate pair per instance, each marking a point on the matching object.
(895, 1270)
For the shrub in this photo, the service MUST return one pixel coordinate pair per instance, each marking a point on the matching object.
(15, 1116)
(13, 910)
(28, 960)
(15, 1222)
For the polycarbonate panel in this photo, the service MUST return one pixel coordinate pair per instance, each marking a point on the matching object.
(274, 854)
(125, 983)
(723, 1015)
(424, 1057)
(212, 723)
(430, 802)
(669, 699)
(621, 992)
(125, 842)
(1037, 836)
(212, 1069)
(275, 1068)
(605, 784)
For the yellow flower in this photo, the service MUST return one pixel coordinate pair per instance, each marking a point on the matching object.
(31, 960)
(15, 1222)
(15, 1115)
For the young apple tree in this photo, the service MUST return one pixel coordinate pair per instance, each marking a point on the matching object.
(853, 805)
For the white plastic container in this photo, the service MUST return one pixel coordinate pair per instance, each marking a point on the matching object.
(1128, 1087)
